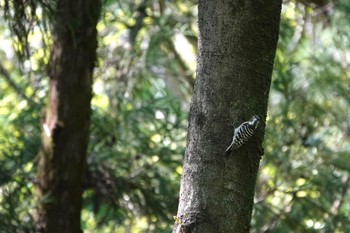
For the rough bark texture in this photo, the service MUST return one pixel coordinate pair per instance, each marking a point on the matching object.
(237, 44)
(66, 125)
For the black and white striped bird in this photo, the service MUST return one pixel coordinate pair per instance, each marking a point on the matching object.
(243, 133)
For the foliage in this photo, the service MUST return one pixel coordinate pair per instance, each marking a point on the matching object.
(137, 131)
(134, 162)
(19, 137)
(143, 82)
(304, 181)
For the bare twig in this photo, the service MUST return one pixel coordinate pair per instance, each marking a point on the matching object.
(4, 73)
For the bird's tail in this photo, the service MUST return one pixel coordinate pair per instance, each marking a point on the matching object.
(229, 149)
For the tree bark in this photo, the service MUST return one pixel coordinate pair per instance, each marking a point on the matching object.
(62, 159)
(237, 44)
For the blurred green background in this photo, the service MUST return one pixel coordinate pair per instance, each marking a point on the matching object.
(142, 89)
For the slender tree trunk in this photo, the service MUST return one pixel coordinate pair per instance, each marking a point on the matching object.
(237, 44)
(66, 125)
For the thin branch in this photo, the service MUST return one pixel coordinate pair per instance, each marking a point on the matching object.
(339, 202)
(186, 73)
(4, 73)
(140, 15)
(298, 33)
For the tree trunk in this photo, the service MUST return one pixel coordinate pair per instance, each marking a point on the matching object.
(62, 159)
(237, 44)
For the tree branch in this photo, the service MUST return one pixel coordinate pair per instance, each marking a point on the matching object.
(4, 73)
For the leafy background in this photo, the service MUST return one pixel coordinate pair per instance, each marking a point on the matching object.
(142, 88)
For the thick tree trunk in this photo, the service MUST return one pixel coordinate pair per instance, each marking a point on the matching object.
(237, 44)
(66, 124)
